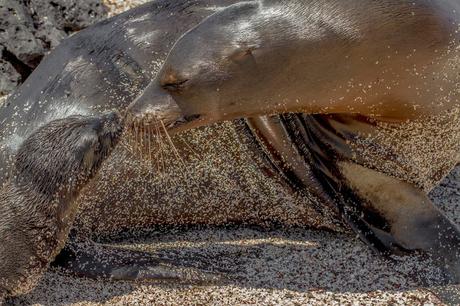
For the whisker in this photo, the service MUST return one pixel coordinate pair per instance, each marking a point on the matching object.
(152, 153)
(138, 137)
(164, 154)
(149, 144)
(160, 147)
(198, 156)
(126, 144)
(128, 140)
(135, 127)
(145, 144)
(141, 137)
(172, 144)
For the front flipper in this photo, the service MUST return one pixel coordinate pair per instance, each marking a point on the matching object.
(95, 260)
(413, 222)
(389, 214)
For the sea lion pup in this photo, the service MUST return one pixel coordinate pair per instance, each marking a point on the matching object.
(37, 205)
(338, 71)
(105, 67)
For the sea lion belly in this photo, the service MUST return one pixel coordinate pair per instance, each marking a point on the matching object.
(218, 177)
(421, 152)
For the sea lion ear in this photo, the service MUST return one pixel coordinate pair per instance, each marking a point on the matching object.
(243, 57)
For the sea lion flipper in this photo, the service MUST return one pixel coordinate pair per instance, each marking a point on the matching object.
(95, 260)
(413, 221)
(38, 204)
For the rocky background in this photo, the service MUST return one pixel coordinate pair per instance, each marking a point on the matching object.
(30, 28)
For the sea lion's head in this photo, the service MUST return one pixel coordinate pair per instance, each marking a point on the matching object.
(266, 57)
(220, 70)
(77, 144)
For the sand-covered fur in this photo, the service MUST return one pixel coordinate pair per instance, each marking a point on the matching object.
(37, 202)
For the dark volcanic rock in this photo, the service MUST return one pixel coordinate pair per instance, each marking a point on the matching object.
(17, 32)
(9, 77)
(30, 28)
(65, 16)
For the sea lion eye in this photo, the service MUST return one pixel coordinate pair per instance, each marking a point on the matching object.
(174, 86)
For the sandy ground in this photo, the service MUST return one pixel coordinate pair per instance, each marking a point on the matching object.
(265, 267)
(294, 267)
(118, 6)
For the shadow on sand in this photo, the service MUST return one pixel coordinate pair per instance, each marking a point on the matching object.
(298, 260)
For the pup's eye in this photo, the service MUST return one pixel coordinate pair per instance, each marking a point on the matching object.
(176, 85)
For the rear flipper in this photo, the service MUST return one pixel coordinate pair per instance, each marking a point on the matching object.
(411, 221)
(94, 260)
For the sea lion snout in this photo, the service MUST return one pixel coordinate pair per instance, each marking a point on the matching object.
(109, 128)
(153, 106)
(112, 124)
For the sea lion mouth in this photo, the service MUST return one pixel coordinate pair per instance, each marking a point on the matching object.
(153, 119)
(185, 123)
(113, 123)
(173, 126)
(150, 137)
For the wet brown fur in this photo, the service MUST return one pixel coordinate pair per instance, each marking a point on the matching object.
(37, 205)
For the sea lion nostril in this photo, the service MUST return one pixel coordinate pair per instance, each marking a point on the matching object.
(190, 118)
(112, 123)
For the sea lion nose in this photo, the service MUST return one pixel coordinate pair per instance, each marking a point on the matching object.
(154, 105)
(112, 122)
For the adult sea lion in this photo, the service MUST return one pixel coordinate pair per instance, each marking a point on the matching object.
(282, 168)
(38, 204)
(357, 66)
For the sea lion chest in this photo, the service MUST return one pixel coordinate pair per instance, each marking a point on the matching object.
(218, 176)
